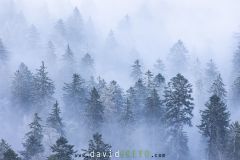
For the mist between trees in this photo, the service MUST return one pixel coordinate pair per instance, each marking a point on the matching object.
(66, 89)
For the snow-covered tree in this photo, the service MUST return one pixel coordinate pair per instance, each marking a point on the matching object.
(99, 148)
(113, 100)
(179, 102)
(33, 37)
(75, 26)
(178, 57)
(179, 106)
(43, 86)
(127, 118)
(3, 148)
(54, 120)
(62, 150)
(214, 126)
(11, 155)
(140, 94)
(211, 73)
(87, 64)
(159, 84)
(33, 147)
(233, 148)
(136, 73)
(218, 88)
(154, 111)
(149, 80)
(95, 111)
(23, 86)
(75, 94)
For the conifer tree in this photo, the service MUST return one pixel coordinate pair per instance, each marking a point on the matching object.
(43, 86)
(3, 148)
(94, 111)
(75, 94)
(211, 72)
(159, 84)
(149, 80)
(33, 147)
(62, 150)
(179, 106)
(136, 73)
(23, 86)
(127, 119)
(113, 100)
(154, 109)
(100, 149)
(179, 102)
(178, 57)
(11, 155)
(233, 148)
(75, 26)
(140, 92)
(88, 65)
(214, 126)
(68, 56)
(54, 120)
(218, 88)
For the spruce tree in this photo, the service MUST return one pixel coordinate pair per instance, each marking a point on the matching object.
(136, 73)
(75, 94)
(154, 111)
(233, 148)
(178, 57)
(43, 86)
(214, 126)
(62, 150)
(54, 120)
(100, 149)
(211, 72)
(3, 52)
(113, 100)
(94, 111)
(159, 84)
(127, 119)
(10, 155)
(68, 57)
(75, 26)
(3, 148)
(87, 63)
(33, 147)
(149, 80)
(179, 106)
(140, 93)
(179, 102)
(23, 86)
(218, 88)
